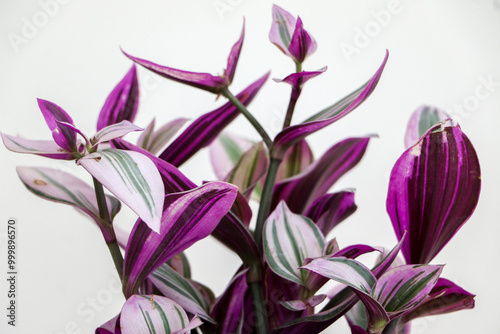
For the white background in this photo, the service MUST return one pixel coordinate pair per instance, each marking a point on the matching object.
(440, 54)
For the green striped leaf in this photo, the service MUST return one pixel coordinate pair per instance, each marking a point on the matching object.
(174, 286)
(114, 131)
(154, 314)
(249, 169)
(153, 141)
(61, 187)
(289, 239)
(225, 152)
(133, 178)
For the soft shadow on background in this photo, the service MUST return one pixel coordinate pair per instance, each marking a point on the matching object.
(442, 53)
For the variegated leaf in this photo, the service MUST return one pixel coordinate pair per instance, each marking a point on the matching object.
(225, 152)
(422, 120)
(154, 140)
(61, 187)
(113, 131)
(133, 178)
(153, 314)
(188, 217)
(301, 305)
(64, 137)
(288, 240)
(297, 158)
(45, 148)
(179, 289)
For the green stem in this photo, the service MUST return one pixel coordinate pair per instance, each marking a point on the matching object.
(110, 237)
(265, 137)
(296, 90)
(265, 200)
(261, 324)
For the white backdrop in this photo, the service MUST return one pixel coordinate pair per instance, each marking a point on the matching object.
(443, 53)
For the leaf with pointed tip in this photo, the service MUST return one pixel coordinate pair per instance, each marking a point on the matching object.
(353, 251)
(133, 178)
(111, 326)
(433, 190)
(187, 218)
(207, 127)
(297, 158)
(61, 187)
(153, 314)
(63, 136)
(234, 55)
(113, 131)
(300, 78)
(225, 151)
(44, 148)
(288, 240)
(180, 264)
(422, 120)
(301, 305)
(331, 209)
(301, 191)
(153, 141)
(249, 169)
(179, 289)
(230, 231)
(293, 134)
(302, 44)
(282, 29)
(445, 297)
(122, 102)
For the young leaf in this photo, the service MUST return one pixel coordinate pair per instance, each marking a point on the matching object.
(154, 314)
(207, 127)
(153, 141)
(422, 120)
(131, 177)
(433, 190)
(295, 133)
(113, 131)
(301, 305)
(187, 218)
(122, 102)
(179, 289)
(225, 152)
(63, 136)
(297, 158)
(288, 240)
(301, 191)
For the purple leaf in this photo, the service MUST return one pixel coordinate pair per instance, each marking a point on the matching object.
(122, 102)
(133, 178)
(63, 136)
(249, 169)
(44, 148)
(113, 131)
(433, 190)
(154, 314)
(301, 305)
(230, 231)
(302, 44)
(60, 187)
(294, 133)
(288, 240)
(234, 55)
(404, 287)
(445, 297)
(297, 158)
(302, 190)
(228, 309)
(207, 127)
(112, 326)
(352, 252)
(242, 210)
(331, 209)
(153, 141)
(187, 218)
(299, 79)
(422, 120)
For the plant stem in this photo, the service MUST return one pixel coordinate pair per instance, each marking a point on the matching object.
(265, 137)
(296, 90)
(261, 324)
(110, 236)
(265, 200)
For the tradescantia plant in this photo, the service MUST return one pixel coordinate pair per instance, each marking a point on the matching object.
(286, 254)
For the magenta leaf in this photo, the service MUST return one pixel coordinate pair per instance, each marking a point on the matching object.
(433, 190)
(300, 78)
(301, 305)
(63, 136)
(300, 191)
(207, 127)
(445, 297)
(122, 102)
(294, 133)
(131, 177)
(234, 55)
(422, 120)
(297, 158)
(331, 209)
(44, 148)
(302, 44)
(187, 218)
